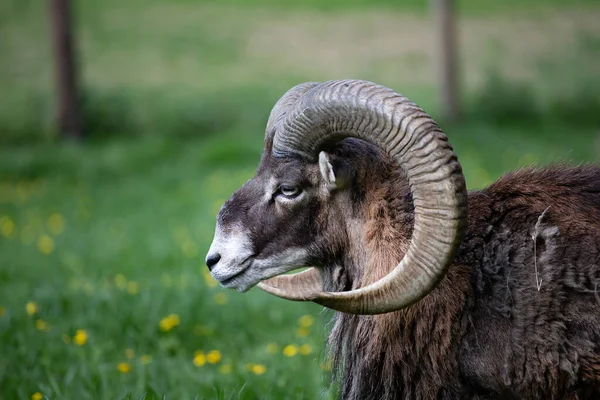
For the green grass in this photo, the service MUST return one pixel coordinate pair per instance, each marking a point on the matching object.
(108, 236)
(468, 6)
(143, 212)
(198, 67)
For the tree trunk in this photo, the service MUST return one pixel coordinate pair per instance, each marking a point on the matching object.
(68, 116)
(446, 60)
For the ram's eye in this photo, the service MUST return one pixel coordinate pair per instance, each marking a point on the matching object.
(289, 191)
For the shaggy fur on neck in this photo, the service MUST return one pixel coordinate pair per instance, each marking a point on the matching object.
(399, 354)
(516, 316)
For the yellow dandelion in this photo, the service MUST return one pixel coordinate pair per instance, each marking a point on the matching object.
(121, 281)
(199, 359)
(124, 367)
(302, 332)
(31, 308)
(2, 311)
(7, 226)
(45, 244)
(259, 369)
(290, 350)
(220, 298)
(305, 349)
(165, 325)
(42, 325)
(133, 287)
(80, 337)
(306, 321)
(56, 224)
(129, 353)
(146, 359)
(66, 338)
(225, 369)
(272, 348)
(169, 322)
(37, 396)
(213, 356)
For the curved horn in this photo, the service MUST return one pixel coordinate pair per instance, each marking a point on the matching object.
(300, 286)
(284, 104)
(335, 110)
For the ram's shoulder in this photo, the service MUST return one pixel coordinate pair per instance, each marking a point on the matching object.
(546, 182)
(561, 192)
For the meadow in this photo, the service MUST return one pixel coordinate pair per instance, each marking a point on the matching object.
(103, 289)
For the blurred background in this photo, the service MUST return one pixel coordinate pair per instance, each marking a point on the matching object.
(111, 177)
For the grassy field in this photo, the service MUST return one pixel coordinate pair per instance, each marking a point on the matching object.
(103, 291)
(110, 240)
(190, 68)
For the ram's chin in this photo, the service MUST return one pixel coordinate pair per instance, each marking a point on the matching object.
(247, 280)
(245, 286)
(254, 270)
(241, 283)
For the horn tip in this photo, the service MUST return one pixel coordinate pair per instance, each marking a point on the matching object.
(276, 291)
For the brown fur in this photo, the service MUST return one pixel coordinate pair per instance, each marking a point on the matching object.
(517, 315)
(381, 341)
(431, 349)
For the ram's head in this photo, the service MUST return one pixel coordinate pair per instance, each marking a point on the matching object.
(294, 211)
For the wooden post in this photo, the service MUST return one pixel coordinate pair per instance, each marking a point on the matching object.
(68, 117)
(446, 60)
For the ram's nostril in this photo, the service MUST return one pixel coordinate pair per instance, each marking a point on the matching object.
(212, 260)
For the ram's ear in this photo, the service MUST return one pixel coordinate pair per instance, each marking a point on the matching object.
(336, 173)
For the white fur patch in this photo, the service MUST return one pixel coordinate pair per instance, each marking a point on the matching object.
(238, 267)
(270, 188)
(264, 268)
(234, 247)
(326, 169)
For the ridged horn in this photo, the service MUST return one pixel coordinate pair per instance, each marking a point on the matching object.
(334, 110)
(300, 286)
(284, 104)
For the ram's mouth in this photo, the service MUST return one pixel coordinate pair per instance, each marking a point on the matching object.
(229, 282)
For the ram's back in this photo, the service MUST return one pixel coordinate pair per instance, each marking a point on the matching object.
(533, 245)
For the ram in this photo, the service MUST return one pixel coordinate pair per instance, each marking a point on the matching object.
(440, 293)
